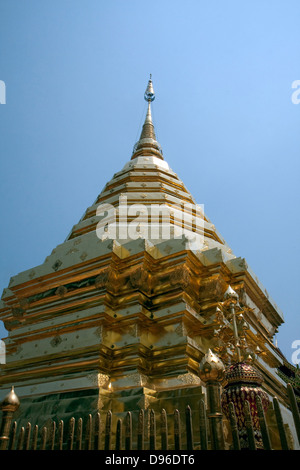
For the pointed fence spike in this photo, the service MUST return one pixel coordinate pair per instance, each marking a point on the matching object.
(79, 435)
(97, 432)
(280, 425)
(71, 433)
(21, 439)
(44, 438)
(35, 437)
(152, 430)
(88, 433)
(107, 442)
(164, 430)
(52, 436)
(141, 430)
(263, 425)
(249, 426)
(295, 409)
(177, 430)
(128, 431)
(60, 436)
(119, 435)
(234, 428)
(12, 442)
(189, 429)
(27, 436)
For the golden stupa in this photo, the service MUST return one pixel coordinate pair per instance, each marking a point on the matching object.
(120, 315)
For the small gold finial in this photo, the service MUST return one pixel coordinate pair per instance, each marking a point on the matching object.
(211, 368)
(149, 93)
(11, 401)
(230, 294)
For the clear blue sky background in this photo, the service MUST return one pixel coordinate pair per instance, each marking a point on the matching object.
(75, 73)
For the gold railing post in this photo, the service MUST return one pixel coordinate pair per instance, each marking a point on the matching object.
(294, 408)
(215, 415)
(9, 405)
(280, 425)
(211, 371)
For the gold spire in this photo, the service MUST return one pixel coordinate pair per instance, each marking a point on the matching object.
(148, 127)
(147, 144)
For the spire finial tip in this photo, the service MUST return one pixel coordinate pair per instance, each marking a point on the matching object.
(149, 93)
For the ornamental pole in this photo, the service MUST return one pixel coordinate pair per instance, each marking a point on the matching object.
(9, 405)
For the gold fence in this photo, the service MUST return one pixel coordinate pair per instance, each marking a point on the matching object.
(151, 431)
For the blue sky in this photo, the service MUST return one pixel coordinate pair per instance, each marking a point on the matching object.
(75, 73)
